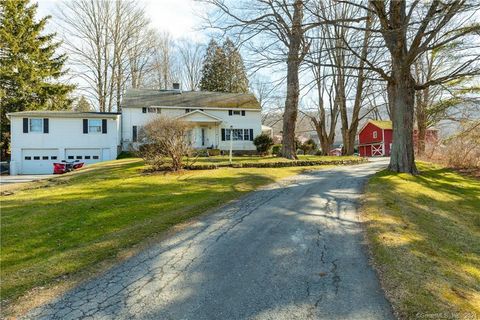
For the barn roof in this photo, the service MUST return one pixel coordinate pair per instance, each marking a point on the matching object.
(139, 98)
(382, 124)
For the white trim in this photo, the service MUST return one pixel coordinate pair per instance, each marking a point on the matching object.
(205, 108)
(201, 112)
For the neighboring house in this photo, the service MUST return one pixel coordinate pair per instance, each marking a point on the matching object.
(212, 114)
(335, 152)
(375, 138)
(40, 138)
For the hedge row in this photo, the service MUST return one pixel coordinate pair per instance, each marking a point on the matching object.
(282, 164)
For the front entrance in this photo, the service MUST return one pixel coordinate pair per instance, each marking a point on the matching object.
(203, 137)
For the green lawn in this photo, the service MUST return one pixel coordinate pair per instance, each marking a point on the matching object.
(56, 228)
(424, 233)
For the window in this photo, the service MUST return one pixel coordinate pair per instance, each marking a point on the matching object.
(246, 134)
(237, 134)
(375, 135)
(95, 157)
(36, 158)
(45, 158)
(153, 110)
(86, 157)
(94, 125)
(28, 158)
(236, 112)
(79, 157)
(70, 157)
(36, 125)
(53, 158)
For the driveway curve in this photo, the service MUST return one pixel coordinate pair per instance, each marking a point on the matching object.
(292, 250)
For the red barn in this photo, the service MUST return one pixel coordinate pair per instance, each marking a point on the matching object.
(375, 138)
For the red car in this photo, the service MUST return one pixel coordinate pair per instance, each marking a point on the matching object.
(64, 167)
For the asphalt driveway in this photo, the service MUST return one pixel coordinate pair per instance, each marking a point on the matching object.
(293, 250)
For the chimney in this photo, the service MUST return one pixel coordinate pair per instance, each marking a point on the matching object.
(176, 86)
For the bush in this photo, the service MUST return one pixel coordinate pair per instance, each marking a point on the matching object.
(309, 146)
(276, 149)
(166, 138)
(263, 143)
(214, 152)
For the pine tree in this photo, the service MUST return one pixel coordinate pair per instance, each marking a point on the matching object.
(83, 105)
(29, 66)
(236, 75)
(223, 69)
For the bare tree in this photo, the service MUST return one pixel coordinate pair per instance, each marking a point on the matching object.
(408, 30)
(99, 36)
(163, 64)
(166, 138)
(191, 57)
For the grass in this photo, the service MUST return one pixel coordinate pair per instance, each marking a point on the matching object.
(54, 229)
(424, 234)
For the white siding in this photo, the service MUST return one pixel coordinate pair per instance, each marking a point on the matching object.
(64, 133)
(252, 120)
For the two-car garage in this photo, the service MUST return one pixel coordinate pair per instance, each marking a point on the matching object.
(40, 161)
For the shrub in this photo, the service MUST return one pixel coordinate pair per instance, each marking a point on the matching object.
(276, 149)
(263, 143)
(166, 138)
(308, 146)
(214, 152)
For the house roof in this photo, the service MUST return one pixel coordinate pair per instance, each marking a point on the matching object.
(139, 98)
(63, 114)
(382, 124)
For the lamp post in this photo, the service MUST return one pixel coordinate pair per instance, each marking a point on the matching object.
(231, 144)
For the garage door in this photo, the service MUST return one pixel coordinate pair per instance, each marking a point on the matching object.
(87, 156)
(38, 161)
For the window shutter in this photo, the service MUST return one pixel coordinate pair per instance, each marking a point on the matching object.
(251, 134)
(223, 134)
(187, 110)
(134, 134)
(104, 125)
(85, 125)
(45, 125)
(243, 113)
(230, 112)
(144, 110)
(25, 125)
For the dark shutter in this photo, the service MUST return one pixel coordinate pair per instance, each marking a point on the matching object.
(85, 125)
(187, 110)
(45, 125)
(134, 134)
(243, 113)
(25, 125)
(230, 112)
(104, 125)
(251, 134)
(223, 134)
(144, 110)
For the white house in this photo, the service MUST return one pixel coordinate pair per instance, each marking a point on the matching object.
(40, 138)
(213, 116)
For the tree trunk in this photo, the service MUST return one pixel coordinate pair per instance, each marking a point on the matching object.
(401, 92)
(293, 87)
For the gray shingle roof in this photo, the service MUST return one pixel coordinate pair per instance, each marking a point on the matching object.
(139, 98)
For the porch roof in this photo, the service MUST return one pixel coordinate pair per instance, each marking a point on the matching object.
(199, 116)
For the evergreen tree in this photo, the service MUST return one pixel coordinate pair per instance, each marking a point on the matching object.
(29, 66)
(83, 105)
(223, 69)
(236, 75)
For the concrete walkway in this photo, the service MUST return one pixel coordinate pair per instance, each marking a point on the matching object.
(289, 251)
(24, 178)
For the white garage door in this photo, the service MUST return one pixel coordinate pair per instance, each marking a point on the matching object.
(38, 161)
(86, 156)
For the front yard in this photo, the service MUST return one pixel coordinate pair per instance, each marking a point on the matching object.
(424, 233)
(63, 229)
